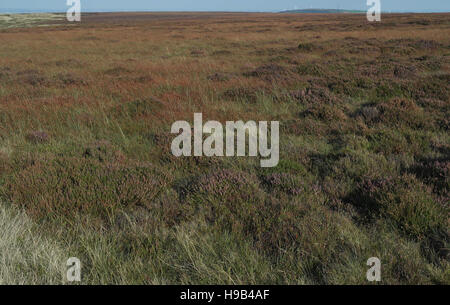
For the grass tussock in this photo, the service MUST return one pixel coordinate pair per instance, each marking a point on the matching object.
(27, 257)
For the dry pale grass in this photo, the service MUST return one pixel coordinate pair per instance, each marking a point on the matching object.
(26, 256)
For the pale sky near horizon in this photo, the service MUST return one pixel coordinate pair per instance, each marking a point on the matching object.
(225, 5)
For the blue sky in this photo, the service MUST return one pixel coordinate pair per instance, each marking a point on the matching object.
(223, 5)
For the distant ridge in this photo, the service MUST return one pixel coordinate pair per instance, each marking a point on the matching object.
(322, 11)
(27, 11)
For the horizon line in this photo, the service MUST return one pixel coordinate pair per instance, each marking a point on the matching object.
(356, 11)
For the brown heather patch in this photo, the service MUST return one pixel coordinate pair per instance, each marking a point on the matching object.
(270, 72)
(325, 112)
(4, 162)
(370, 114)
(219, 77)
(241, 94)
(434, 171)
(69, 63)
(89, 38)
(426, 44)
(38, 137)
(162, 142)
(104, 151)
(308, 47)
(315, 96)
(233, 201)
(400, 110)
(137, 109)
(145, 79)
(68, 79)
(284, 182)
(5, 72)
(434, 86)
(67, 187)
(405, 71)
(222, 53)
(117, 71)
(223, 182)
(31, 77)
(197, 53)
(400, 199)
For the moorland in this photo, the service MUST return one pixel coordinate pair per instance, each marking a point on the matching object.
(86, 169)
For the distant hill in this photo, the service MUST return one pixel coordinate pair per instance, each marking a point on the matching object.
(27, 11)
(322, 11)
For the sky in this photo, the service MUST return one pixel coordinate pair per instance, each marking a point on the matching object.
(223, 5)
